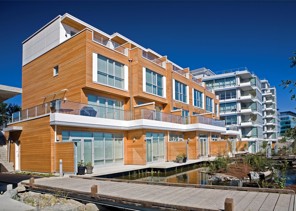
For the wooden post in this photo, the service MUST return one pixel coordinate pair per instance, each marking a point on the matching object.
(94, 190)
(31, 181)
(228, 204)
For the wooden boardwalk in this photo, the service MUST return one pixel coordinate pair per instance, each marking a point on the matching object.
(173, 197)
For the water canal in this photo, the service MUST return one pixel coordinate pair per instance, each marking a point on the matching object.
(191, 175)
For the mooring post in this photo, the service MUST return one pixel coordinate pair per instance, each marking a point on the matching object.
(31, 181)
(94, 190)
(228, 204)
(61, 168)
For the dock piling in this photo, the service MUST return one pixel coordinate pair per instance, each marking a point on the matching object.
(228, 204)
(31, 181)
(94, 190)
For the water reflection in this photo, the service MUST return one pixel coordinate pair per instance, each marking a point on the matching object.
(291, 176)
(195, 176)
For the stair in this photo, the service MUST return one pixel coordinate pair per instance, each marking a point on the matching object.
(5, 166)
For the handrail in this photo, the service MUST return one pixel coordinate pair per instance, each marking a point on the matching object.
(74, 108)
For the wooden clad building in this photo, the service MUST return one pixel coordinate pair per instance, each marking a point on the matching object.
(106, 100)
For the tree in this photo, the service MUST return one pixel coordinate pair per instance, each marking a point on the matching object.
(6, 111)
(291, 84)
(291, 133)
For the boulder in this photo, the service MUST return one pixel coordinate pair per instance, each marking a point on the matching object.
(10, 193)
(21, 189)
(91, 207)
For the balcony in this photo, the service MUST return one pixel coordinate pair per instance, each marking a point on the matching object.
(269, 131)
(270, 123)
(246, 111)
(269, 116)
(153, 59)
(247, 97)
(228, 111)
(86, 114)
(270, 108)
(267, 93)
(248, 123)
(268, 101)
(245, 84)
(102, 40)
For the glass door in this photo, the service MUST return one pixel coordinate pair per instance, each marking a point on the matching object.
(154, 149)
(149, 151)
(87, 151)
(83, 151)
(203, 146)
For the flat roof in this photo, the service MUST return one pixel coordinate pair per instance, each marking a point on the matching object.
(7, 92)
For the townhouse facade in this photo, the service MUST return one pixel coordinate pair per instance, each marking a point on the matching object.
(246, 103)
(287, 121)
(105, 99)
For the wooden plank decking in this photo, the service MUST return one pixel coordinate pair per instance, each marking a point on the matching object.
(180, 197)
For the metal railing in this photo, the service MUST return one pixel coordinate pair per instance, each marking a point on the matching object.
(29, 113)
(74, 108)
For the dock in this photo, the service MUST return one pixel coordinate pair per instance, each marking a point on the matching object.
(165, 196)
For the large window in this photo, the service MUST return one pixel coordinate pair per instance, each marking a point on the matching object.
(221, 83)
(209, 104)
(230, 120)
(106, 107)
(227, 95)
(110, 72)
(154, 83)
(180, 92)
(198, 99)
(227, 107)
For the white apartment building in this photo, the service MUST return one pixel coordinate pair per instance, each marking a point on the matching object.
(240, 94)
(270, 113)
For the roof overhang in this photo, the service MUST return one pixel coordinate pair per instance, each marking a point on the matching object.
(13, 128)
(7, 92)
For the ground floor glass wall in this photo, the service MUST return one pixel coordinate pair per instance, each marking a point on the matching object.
(98, 148)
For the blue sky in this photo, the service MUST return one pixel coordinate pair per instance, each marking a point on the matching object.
(219, 35)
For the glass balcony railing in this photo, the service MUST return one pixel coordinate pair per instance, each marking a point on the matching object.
(29, 113)
(73, 108)
(109, 43)
(153, 59)
(209, 121)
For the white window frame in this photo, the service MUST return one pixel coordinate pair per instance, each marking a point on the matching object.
(56, 71)
(95, 73)
(163, 83)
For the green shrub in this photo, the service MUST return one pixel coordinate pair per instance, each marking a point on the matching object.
(257, 162)
(220, 164)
